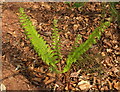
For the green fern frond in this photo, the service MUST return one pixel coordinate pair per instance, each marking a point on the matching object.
(56, 41)
(37, 41)
(96, 34)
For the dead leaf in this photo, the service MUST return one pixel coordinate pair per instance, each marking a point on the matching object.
(51, 75)
(103, 53)
(59, 83)
(109, 50)
(84, 85)
(34, 22)
(2, 88)
(50, 81)
(35, 6)
(26, 49)
(79, 18)
(46, 5)
(117, 85)
(67, 87)
(75, 26)
(75, 74)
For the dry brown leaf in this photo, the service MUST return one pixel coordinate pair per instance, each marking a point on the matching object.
(84, 85)
(46, 5)
(59, 83)
(35, 6)
(51, 75)
(67, 87)
(2, 87)
(46, 79)
(34, 22)
(117, 85)
(75, 26)
(50, 81)
(79, 18)
(75, 74)
(103, 53)
(26, 49)
(71, 88)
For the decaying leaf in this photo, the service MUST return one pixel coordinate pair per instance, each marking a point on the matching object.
(84, 85)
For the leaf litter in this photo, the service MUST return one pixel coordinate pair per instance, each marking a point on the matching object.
(71, 21)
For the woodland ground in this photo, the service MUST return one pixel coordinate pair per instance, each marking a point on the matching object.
(101, 63)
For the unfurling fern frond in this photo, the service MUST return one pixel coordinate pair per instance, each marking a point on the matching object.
(37, 41)
(73, 56)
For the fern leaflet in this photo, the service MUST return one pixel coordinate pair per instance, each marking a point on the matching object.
(56, 41)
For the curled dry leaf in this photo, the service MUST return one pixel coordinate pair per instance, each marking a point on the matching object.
(46, 79)
(75, 74)
(75, 27)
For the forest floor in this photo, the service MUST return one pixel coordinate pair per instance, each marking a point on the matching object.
(100, 67)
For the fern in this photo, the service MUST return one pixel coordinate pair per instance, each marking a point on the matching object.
(37, 41)
(73, 56)
(51, 56)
